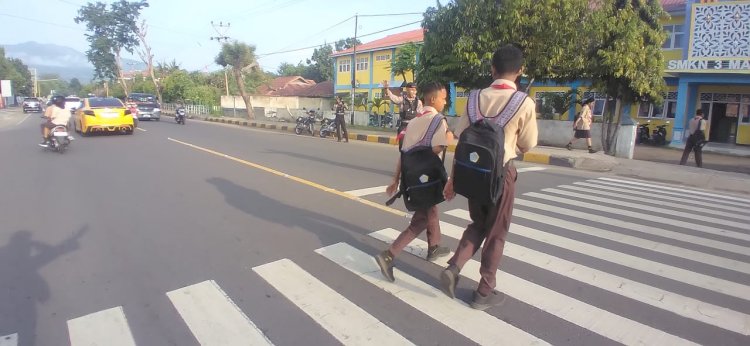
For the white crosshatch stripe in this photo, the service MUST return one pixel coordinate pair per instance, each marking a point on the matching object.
(667, 271)
(9, 340)
(213, 318)
(681, 189)
(106, 327)
(475, 325)
(715, 244)
(664, 192)
(678, 304)
(695, 210)
(652, 218)
(347, 322)
(717, 261)
(602, 322)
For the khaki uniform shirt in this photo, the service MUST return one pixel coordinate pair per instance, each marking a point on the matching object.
(694, 125)
(57, 115)
(418, 126)
(520, 132)
(584, 123)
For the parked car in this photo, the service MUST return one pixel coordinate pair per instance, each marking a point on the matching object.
(103, 114)
(32, 104)
(148, 107)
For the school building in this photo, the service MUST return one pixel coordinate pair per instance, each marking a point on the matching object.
(707, 55)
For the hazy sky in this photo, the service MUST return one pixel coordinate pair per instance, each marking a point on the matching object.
(181, 30)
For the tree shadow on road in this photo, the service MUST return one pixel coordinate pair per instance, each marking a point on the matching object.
(334, 163)
(21, 285)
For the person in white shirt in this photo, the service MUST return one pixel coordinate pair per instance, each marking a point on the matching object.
(56, 115)
(696, 139)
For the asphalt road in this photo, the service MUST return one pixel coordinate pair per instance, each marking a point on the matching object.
(219, 235)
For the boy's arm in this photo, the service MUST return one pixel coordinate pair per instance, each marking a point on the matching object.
(396, 177)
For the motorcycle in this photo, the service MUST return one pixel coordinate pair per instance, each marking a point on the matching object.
(179, 115)
(327, 127)
(59, 139)
(306, 123)
(659, 136)
(644, 134)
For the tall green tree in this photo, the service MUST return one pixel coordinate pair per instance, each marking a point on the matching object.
(344, 44)
(289, 69)
(75, 86)
(240, 57)
(405, 60)
(111, 30)
(626, 61)
(461, 36)
(49, 82)
(14, 70)
(321, 64)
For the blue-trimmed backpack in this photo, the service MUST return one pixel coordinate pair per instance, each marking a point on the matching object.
(423, 174)
(478, 161)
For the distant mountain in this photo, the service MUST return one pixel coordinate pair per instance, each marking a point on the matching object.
(65, 61)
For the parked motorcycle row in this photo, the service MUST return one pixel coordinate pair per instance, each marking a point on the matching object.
(306, 124)
(656, 137)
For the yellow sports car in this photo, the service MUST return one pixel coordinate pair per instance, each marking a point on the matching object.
(102, 114)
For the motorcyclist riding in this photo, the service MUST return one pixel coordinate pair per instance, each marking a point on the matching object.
(56, 115)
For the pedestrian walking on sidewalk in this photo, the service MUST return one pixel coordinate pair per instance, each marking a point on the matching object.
(408, 104)
(514, 114)
(582, 125)
(340, 109)
(428, 130)
(696, 139)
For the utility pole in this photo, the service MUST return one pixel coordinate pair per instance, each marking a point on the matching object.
(354, 66)
(221, 31)
(35, 83)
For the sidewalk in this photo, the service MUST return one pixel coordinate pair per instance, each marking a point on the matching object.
(667, 172)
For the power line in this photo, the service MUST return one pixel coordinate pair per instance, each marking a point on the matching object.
(322, 31)
(42, 22)
(391, 14)
(320, 45)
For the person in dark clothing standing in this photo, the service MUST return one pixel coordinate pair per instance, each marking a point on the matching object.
(696, 139)
(340, 109)
(408, 104)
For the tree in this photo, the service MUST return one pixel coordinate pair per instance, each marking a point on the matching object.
(15, 70)
(241, 58)
(461, 37)
(288, 69)
(49, 82)
(405, 60)
(75, 86)
(321, 64)
(144, 52)
(345, 44)
(626, 62)
(110, 32)
(176, 86)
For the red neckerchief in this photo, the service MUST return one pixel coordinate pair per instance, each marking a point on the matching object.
(502, 86)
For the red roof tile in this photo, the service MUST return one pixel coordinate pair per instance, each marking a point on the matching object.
(386, 42)
(295, 86)
(673, 5)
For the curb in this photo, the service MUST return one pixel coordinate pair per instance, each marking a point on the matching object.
(532, 157)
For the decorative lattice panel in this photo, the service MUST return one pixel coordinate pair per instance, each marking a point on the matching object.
(721, 31)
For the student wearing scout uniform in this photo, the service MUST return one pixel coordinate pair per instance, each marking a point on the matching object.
(582, 125)
(340, 109)
(435, 98)
(408, 105)
(490, 223)
(696, 139)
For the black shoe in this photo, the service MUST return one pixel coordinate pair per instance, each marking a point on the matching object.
(44, 144)
(592, 151)
(569, 146)
(449, 280)
(481, 302)
(437, 251)
(385, 261)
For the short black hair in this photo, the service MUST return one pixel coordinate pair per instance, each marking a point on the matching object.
(410, 85)
(430, 88)
(507, 59)
(699, 112)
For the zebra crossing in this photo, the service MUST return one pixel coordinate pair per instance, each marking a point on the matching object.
(682, 253)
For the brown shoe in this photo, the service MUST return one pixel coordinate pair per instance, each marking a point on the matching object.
(449, 279)
(481, 302)
(385, 262)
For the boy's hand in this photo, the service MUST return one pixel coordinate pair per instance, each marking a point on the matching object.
(391, 189)
(448, 192)
(385, 84)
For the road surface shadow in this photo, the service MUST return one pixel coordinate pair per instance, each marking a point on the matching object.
(21, 285)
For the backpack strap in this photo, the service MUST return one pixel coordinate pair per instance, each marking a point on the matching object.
(511, 108)
(472, 106)
(427, 139)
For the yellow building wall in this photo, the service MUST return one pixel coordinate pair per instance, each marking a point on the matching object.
(363, 77)
(343, 78)
(674, 54)
(654, 122)
(743, 134)
(381, 70)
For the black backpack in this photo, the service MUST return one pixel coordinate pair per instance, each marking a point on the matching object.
(423, 174)
(478, 169)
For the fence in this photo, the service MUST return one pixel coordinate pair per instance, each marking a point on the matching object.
(193, 109)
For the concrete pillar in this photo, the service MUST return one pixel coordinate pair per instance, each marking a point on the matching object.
(683, 100)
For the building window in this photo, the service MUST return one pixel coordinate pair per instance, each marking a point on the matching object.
(675, 34)
(383, 57)
(345, 65)
(462, 93)
(377, 94)
(666, 110)
(363, 64)
(600, 102)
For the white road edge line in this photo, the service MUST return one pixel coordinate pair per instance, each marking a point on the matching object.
(24, 119)
(140, 129)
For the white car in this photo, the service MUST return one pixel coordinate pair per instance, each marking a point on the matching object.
(72, 103)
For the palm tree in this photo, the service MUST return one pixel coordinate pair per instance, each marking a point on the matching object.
(241, 58)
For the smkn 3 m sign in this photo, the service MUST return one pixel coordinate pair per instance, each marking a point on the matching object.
(709, 65)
